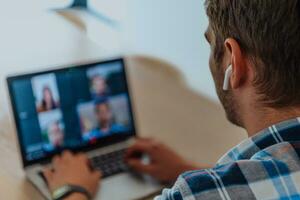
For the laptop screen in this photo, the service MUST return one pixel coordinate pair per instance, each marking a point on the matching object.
(77, 108)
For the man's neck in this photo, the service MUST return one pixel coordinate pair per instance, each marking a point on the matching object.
(259, 119)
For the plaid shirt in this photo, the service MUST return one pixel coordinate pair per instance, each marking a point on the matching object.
(266, 166)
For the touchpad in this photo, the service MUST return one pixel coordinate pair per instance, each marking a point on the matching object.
(127, 186)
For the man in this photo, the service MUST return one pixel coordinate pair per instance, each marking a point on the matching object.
(255, 47)
(55, 136)
(104, 117)
(99, 87)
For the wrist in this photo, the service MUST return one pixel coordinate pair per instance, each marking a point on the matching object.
(188, 166)
(181, 168)
(191, 167)
(71, 192)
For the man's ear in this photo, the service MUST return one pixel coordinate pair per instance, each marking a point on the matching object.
(237, 60)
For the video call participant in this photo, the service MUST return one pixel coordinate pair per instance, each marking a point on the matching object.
(106, 126)
(255, 47)
(99, 87)
(47, 103)
(55, 136)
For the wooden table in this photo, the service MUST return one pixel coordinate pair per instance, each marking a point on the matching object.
(165, 108)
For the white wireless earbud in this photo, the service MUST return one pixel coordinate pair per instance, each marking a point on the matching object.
(227, 78)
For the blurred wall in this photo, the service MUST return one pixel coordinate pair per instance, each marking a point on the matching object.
(172, 30)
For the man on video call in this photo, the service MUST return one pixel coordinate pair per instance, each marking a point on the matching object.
(255, 63)
(105, 122)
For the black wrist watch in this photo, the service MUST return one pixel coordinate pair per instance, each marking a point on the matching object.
(67, 190)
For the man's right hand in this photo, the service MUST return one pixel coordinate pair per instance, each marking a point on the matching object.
(165, 165)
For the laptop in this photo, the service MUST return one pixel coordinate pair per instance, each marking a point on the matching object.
(82, 108)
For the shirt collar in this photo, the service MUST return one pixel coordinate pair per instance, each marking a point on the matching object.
(278, 133)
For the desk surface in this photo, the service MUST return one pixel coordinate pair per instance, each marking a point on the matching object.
(165, 107)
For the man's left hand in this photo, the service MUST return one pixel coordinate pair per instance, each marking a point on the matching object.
(72, 169)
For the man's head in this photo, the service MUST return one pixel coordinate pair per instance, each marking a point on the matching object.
(55, 134)
(99, 85)
(103, 112)
(260, 39)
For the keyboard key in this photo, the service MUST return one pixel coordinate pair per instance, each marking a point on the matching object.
(110, 164)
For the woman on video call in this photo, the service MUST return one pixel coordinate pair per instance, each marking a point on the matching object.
(48, 103)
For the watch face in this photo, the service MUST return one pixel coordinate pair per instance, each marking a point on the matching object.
(61, 192)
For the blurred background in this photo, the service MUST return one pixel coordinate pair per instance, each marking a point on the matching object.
(167, 58)
(168, 29)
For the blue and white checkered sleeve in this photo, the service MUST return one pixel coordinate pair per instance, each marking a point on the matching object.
(217, 183)
(178, 192)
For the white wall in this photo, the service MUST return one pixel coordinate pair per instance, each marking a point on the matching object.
(172, 30)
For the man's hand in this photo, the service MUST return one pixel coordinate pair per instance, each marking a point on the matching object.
(165, 165)
(75, 170)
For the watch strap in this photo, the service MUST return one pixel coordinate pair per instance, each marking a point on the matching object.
(69, 189)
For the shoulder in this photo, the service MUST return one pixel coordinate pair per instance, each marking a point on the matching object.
(234, 180)
(206, 184)
(213, 183)
(244, 179)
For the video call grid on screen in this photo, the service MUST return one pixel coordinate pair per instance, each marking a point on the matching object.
(71, 108)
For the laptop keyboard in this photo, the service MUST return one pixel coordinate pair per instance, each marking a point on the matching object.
(110, 164)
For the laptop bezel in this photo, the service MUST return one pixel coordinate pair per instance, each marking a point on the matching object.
(111, 140)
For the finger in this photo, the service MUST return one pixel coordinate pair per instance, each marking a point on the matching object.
(97, 174)
(140, 167)
(67, 155)
(83, 157)
(144, 139)
(48, 174)
(82, 160)
(140, 147)
(56, 162)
